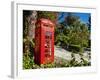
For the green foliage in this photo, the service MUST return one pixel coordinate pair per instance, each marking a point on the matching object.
(73, 34)
(72, 63)
(75, 48)
(71, 19)
(28, 45)
(49, 65)
(27, 62)
(47, 15)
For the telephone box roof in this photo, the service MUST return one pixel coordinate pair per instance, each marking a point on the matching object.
(45, 21)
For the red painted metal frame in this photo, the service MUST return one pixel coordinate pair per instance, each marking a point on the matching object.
(43, 26)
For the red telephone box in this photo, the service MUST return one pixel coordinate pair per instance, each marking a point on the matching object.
(44, 42)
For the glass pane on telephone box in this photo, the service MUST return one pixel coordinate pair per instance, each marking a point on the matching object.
(48, 43)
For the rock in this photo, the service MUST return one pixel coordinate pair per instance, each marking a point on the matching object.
(86, 57)
(62, 53)
(77, 58)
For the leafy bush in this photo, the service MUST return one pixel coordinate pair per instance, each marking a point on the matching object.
(27, 62)
(72, 33)
(75, 48)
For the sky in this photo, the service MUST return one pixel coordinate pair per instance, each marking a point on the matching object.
(83, 16)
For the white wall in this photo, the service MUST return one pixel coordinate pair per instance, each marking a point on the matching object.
(5, 38)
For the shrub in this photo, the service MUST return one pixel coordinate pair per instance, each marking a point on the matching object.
(27, 62)
(75, 48)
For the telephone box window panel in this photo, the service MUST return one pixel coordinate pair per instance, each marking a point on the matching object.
(53, 38)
